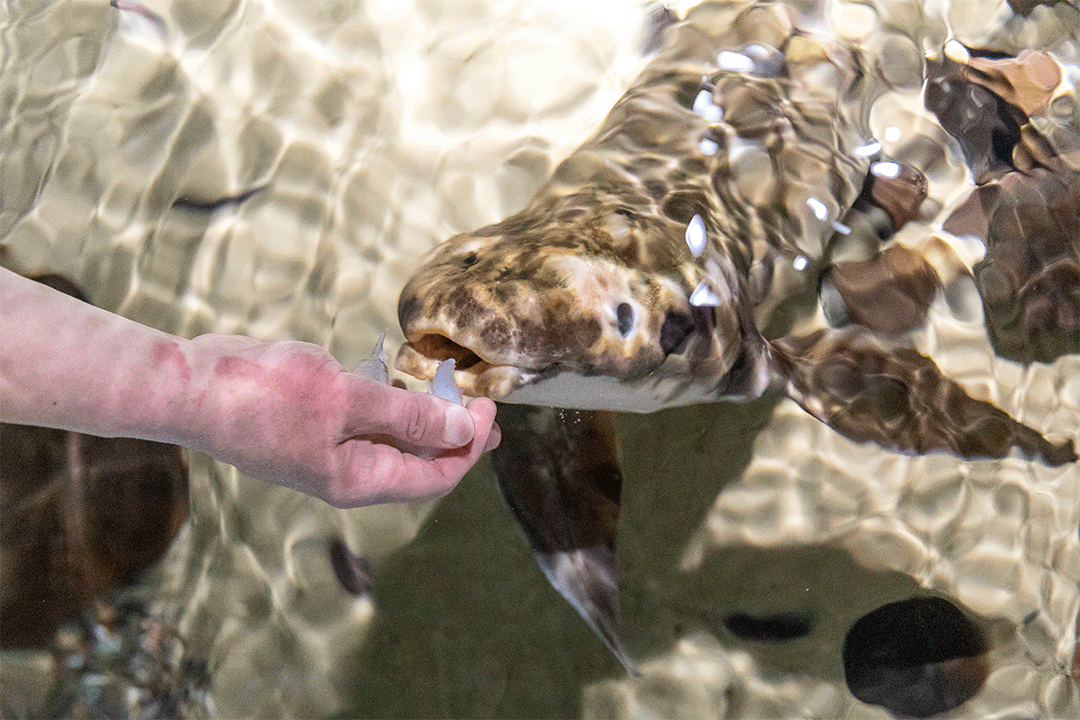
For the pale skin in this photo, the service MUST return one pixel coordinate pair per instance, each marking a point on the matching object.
(285, 412)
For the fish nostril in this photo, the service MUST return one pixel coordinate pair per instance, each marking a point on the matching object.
(624, 316)
(675, 332)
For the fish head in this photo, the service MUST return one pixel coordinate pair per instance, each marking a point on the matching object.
(580, 302)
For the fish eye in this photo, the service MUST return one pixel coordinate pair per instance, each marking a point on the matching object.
(624, 315)
(469, 259)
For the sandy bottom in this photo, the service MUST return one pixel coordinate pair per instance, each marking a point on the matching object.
(371, 131)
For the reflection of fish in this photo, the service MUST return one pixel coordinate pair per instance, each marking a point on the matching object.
(559, 472)
(1026, 206)
(677, 257)
(352, 571)
(79, 516)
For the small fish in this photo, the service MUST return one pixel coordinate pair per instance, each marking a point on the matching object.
(443, 384)
(352, 571)
(208, 206)
(374, 366)
(659, 20)
(139, 18)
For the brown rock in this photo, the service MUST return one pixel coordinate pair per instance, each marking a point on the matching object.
(889, 293)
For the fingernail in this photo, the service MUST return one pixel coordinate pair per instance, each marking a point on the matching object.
(459, 426)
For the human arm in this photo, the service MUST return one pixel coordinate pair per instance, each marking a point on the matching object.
(285, 412)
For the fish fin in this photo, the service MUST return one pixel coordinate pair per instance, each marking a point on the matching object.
(559, 473)
(588, 579)
(374, 366)
(900, 400)
(1026, 208)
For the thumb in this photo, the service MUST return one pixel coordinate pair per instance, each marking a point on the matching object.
(417, 418)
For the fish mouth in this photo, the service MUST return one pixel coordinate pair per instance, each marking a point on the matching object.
(475, 375)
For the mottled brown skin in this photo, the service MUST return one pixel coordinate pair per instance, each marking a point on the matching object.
(601, 247)
(890, 293)
(593, 278)
(619, 206)
(900, 400)
(1025, 207)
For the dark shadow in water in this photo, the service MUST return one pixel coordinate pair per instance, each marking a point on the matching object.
(692, 454)
(742, 594)
(466, 624)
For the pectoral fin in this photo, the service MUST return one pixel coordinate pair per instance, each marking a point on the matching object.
(900, 400)
(559, 472)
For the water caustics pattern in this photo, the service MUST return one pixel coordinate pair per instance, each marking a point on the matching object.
(279, 169)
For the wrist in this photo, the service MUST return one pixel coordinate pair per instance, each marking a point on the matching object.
(151, 398)
(204, 399)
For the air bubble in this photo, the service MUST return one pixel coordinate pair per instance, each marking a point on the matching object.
(870, 148)
(703, 296)
(885, 168)
(703, 106)
(696, 236)
(821, 210)
(734, 61)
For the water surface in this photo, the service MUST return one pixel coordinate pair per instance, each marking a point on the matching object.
(277, 169)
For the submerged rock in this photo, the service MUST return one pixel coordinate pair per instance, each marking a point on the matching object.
(917, 658)
(122, 661)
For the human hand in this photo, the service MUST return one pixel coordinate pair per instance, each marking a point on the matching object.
(289, 413)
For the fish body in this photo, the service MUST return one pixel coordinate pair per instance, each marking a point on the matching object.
(583, 298)
(724, 234)
(373, 367)
(676, 257)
